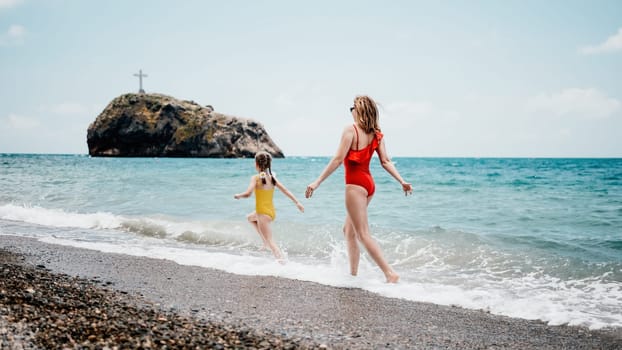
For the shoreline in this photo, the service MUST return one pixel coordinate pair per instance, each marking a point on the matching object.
(310, 313)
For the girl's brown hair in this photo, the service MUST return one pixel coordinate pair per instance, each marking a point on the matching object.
(264, 163)
(366, 113)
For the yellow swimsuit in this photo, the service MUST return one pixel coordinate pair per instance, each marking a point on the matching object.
(263, 201)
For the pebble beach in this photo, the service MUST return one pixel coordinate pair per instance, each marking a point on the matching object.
(54, 296)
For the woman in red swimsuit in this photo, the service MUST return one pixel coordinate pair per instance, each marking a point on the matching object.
(358, 144)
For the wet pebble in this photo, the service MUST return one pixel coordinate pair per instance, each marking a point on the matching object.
(39, 309)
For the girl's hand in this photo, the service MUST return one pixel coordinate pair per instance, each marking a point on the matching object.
(407, 188)
(237, 196)
(300, 207)
(312, 186)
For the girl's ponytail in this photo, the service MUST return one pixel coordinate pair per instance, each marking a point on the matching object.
(272, 177)
(264, 163)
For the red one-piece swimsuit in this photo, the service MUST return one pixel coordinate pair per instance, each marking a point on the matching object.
(356, 164)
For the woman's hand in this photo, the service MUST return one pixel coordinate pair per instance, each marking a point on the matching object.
(312, 186)
(407, 188)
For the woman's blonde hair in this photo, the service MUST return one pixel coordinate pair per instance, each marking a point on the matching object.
(366, 113)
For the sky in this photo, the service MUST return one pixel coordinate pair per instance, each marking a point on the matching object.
(452, 78)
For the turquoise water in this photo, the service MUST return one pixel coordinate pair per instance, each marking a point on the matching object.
(531, 238)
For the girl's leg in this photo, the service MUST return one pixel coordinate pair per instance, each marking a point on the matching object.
(252, 218)
(263, 224)
(356, 205)
(354, 253)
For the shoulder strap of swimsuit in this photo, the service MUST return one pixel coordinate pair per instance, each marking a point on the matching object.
(357, 136)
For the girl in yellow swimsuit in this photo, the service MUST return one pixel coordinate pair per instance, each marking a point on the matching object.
(263, 184)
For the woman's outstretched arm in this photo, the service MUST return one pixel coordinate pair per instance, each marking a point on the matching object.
(388, 165)
(344, 145)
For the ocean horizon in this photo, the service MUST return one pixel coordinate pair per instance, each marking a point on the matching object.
(528, 237)
(323, 156)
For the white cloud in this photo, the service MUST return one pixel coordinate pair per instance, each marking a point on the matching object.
(69, 108)
(583, 103)
(16, 31)
(408, 110)
(422, 128)
(13, 36)
(9, 3)
(21, 122)
(563, 123)
(297, 95)
(612, 44)
(285, 100)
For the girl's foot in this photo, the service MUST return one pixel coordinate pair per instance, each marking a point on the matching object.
(393, 277)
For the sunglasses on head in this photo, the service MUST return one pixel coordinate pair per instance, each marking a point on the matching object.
(351, 109)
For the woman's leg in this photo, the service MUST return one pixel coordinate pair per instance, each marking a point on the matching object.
(263, 224)
(356, 205)
(354, 252)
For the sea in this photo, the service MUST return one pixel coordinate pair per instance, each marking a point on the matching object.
(529, 238)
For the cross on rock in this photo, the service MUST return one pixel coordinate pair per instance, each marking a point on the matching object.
(140, 76)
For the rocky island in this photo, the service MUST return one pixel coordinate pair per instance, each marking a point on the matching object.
(156, 125)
